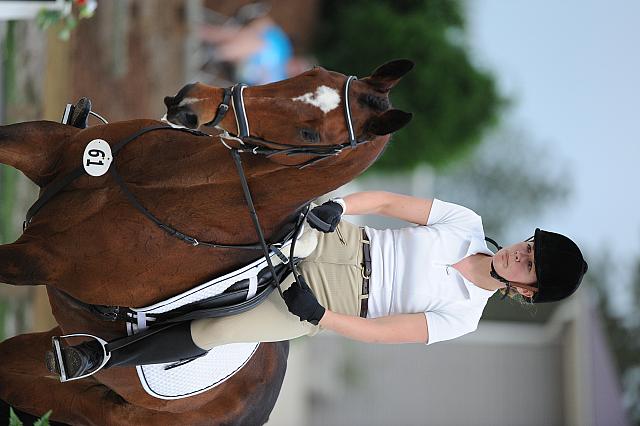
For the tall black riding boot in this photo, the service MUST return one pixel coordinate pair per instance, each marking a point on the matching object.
(168, 345)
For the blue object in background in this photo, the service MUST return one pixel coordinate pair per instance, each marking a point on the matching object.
(270, 63)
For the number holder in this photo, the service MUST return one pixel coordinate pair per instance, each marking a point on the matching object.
(97, 157)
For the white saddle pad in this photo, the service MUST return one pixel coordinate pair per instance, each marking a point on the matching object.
(197, 376)
(221, 362)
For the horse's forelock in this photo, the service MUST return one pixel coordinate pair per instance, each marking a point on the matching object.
(377, 103)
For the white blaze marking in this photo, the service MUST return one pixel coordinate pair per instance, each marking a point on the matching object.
(324, 98)
(188, 101)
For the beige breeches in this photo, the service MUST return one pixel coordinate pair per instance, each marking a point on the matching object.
(334, 273)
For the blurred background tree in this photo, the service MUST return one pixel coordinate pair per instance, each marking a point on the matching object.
(505, 181)
(454, 101)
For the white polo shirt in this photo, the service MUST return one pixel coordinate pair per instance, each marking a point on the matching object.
(412, 272)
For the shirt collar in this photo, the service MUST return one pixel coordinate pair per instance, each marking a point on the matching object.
(477, 245)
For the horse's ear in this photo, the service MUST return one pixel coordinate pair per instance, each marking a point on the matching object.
(386, 76)
(389, 122)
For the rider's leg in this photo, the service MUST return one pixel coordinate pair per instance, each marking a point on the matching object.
(34, 148)
(335, 270)
(334, 273)
(173, 343)
(270, 321)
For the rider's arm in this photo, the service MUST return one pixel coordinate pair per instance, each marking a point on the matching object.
(399, 206)
(404, 328)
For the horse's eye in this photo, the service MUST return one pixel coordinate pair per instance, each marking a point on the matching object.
(310, 135)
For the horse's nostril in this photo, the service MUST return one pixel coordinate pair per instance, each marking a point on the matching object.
(188, 119)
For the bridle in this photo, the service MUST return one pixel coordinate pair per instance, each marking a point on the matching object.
(233, 99)
(249, 144)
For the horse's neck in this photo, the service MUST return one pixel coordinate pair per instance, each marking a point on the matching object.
(210, 180)
(333, 172)
(290, 187)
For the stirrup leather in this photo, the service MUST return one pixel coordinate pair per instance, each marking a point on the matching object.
(59, 361)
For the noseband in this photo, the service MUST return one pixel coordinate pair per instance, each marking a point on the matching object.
(233, 98)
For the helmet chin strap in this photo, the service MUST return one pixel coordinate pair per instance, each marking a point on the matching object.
(497, 276)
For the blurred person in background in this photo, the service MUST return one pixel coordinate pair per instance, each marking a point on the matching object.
(254, 47)
(419, 284)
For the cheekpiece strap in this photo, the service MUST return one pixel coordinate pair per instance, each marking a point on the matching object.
(347, 111)
(238, 107)
(222, 109)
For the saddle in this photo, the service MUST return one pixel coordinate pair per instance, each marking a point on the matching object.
(230, 294)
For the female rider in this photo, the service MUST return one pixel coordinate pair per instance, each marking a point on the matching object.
(419, 284)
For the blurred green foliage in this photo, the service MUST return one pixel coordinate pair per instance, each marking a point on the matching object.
(454, 101)
(14, 420)
(7, 175)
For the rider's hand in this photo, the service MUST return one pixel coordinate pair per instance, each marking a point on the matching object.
(326, 217)
(302, 302)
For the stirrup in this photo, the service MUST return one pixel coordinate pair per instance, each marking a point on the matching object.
(57, 354)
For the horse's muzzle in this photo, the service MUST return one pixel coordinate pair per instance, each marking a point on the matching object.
(182, 116)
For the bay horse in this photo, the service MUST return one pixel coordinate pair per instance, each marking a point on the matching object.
(90, 243)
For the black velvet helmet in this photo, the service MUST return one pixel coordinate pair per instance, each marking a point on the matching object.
(559, 266)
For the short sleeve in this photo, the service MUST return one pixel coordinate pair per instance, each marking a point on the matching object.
(446, 213)
(451, 322)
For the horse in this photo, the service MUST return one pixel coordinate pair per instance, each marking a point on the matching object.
(89, 243)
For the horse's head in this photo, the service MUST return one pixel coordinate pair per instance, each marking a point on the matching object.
(314, 109)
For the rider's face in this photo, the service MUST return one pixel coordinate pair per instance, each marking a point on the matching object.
(516, 264)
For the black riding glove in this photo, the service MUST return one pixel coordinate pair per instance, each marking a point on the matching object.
(302, 303)
(326, 217)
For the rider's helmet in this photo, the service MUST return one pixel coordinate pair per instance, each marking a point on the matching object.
(559, 266)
